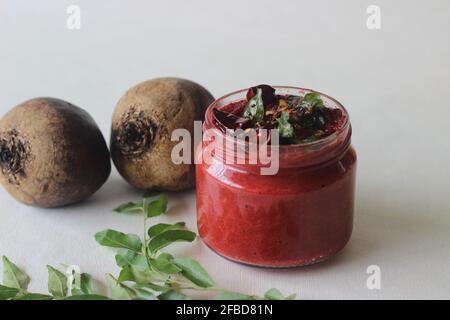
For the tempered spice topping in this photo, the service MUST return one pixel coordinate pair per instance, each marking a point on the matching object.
(298, 119)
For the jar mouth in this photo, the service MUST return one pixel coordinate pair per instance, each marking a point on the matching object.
(301, 91)
(336, 143)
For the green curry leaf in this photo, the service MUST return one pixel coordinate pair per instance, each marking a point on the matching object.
(285, 128)
(254, 109)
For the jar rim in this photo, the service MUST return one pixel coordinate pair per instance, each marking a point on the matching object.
(304, 155)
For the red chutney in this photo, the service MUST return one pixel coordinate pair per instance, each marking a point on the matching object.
(301, 215)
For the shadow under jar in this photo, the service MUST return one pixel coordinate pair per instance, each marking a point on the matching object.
(301, 215)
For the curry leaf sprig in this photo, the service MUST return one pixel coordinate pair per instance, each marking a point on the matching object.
(147, 273)
(16, 281)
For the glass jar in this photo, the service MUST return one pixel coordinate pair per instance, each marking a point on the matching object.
(301, 215)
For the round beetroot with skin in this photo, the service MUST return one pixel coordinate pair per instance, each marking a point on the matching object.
(51, 153)
(142, 125)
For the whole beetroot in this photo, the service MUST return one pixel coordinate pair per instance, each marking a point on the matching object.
(51, 153)
(142, 124)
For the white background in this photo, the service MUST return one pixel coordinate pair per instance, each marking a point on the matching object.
(394, 82)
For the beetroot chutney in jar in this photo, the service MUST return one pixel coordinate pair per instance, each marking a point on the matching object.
(301, 215)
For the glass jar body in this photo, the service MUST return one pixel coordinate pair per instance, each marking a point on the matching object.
(299, 216)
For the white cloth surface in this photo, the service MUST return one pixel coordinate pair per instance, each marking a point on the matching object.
(394, 82)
